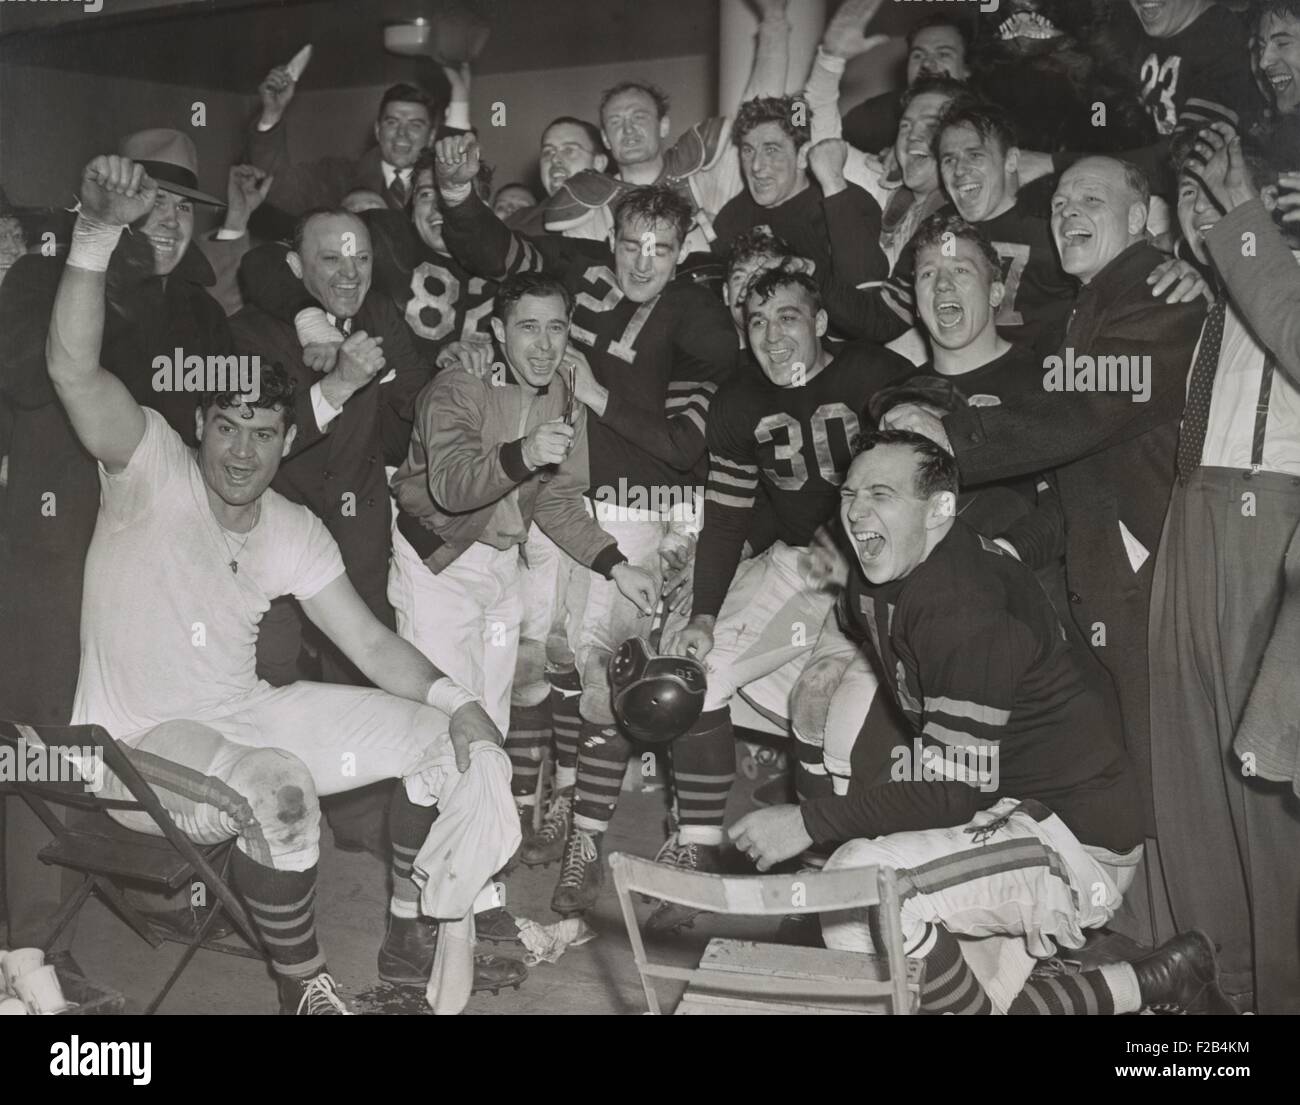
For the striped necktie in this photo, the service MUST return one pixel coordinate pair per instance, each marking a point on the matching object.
(399, 191)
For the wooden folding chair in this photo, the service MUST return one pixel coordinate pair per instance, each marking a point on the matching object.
(743, 977)
(119, 855)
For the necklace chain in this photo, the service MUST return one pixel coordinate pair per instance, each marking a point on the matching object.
(235, 554)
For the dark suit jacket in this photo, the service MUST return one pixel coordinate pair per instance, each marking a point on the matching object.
(339, 474)
(323, 183)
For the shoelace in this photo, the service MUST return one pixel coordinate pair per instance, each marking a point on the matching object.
(580, 852)
(688, 856)
(668, 851)
(556, 819)
(320, 997)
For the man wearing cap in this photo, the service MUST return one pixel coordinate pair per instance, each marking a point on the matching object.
(157, 304)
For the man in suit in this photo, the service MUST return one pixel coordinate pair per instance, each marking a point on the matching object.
(353, 419)
(405, 126)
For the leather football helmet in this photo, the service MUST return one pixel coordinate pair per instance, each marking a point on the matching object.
(656, 698)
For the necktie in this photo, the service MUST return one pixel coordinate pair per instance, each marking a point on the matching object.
(1196, 415)
(398, 190)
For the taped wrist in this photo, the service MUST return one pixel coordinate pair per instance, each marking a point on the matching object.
(453, 194)
(93, 243)
(314, 328)
(448, 696)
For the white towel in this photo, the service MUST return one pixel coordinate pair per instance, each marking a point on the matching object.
(476, 832)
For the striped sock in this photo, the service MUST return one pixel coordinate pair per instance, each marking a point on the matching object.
(950, 984)
(281, 905)
(603, 753)
(408, 825)
(704, 767)
(1085, 994)
(565, 724)
(526, 744)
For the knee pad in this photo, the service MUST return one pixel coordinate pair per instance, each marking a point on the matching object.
(810, 700)
(280, 804)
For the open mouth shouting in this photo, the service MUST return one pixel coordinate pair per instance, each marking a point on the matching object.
(870, 543)
(949, 313)
(239, 475)
(1075, 236)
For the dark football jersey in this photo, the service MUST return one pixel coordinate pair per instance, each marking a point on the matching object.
(661, 360)
(795, 442)
(439, 298)
(843, 227)
(1039, 293)
(1209, 60)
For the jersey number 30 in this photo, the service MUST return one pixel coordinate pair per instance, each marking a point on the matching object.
(789, 453)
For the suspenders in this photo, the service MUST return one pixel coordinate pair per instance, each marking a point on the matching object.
(1261, 414)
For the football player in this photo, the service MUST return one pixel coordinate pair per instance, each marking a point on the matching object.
(646, 355)
(753, 624)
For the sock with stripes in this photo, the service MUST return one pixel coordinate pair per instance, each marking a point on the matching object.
(282, 907)
(408, 825)
(1093, 993)
(565, 724)
(526, 743)
(950, 984)
(704, 767)
(603, 753)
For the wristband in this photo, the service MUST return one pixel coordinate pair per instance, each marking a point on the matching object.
(448, 696)
(314, 328)
(93, 243)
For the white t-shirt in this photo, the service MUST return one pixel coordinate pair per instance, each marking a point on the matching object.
(168, 631)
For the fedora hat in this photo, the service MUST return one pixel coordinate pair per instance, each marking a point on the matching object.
(171, 159)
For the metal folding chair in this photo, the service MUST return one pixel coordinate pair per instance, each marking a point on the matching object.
(119, 855)
(743, 977)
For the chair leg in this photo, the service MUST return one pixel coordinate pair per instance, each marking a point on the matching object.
(66, 912)
(200, 939)
(127, 912)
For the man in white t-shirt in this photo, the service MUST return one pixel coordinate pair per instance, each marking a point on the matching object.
(190, 548)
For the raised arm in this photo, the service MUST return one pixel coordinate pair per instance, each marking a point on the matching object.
(483, 243)
(772, 56)
(115, 192)
(843, 40)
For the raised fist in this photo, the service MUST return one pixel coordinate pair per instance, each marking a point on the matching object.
(276, 92)
(117, 191)
(549, 443)
(456, 160)
(826, 162)
(361, 358)
(246, 188)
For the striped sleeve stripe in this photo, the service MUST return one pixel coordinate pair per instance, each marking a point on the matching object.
(718, 476)
(522, 256)
(954, 737)
(714, 496)
(956, 707)
(717, 460)
(692, 385)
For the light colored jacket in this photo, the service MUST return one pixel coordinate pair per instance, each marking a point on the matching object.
(464, 478)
